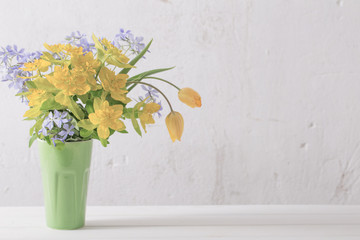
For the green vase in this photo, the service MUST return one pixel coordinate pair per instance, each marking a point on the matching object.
(65, 175)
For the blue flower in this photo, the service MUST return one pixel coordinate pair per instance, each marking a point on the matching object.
(79, 40)
(67, 131)
(123, 35)
(136, 43)
(150, 92)
(55, 118)
(161, 108)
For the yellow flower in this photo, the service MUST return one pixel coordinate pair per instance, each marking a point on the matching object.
(38, 64)
(56, 48)
(111, 54)
(175, 125)
(145, 115)
(115, 84)
(37, 96)
(106, 117)
(70, 49)
(190, 97)
(88, 65)
(71, 82)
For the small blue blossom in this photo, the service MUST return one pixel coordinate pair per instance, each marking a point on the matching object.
(150, 92)
(123, 35)
(136, 43)
(55, 118)
(67, 131)
(161, 108)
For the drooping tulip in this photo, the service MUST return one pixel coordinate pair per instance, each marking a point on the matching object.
(175, 125)
(190, 97)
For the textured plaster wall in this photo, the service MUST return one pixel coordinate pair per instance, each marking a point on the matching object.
(280, 82)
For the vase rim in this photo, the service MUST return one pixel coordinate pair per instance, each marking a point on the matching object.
(41, 140)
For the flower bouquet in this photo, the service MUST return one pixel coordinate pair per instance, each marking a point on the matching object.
(77, 91)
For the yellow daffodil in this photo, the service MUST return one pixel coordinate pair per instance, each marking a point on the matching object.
(72, 50)
(56, 48)
(106, 117)
(114, 51)
(71, 82)
(115, 84)
(190, 97)
(175, 125)
(107, 52)
(37, 96)
(145, 115)
(37, 65)
(88, 65)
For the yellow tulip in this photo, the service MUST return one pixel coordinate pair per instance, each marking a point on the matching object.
(190, 97)
(175, 125)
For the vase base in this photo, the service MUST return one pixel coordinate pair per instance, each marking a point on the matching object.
(65, 227)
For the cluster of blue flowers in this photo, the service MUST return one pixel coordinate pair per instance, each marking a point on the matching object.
(58, 125)
(124, 40)
(79, 40)
(11, 60)
(152, 95)
(134, 44)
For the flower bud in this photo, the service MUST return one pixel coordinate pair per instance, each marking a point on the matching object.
(175, 125)
(190, 97)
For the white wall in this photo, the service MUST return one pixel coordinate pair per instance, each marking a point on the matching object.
(280, 82)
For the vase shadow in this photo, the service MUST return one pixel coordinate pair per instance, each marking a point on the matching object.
(125, 223)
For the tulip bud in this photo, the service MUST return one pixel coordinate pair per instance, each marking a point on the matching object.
(175, 124)
(190, 97)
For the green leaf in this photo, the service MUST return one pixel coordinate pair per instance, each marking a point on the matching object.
(97, 93)
(86, 133)
(89, 106)
(48, 57)
(59, 145)
(84, 98)
(51, 104)
(86, 123)
(112, 131)
(76, 110)
(104, 142)
(135, 123)
(30, 84)
(114, 61)
(32, 139)
(141, 76)
(44, 84)
(136, 59)
(23, 94)
(123, 131)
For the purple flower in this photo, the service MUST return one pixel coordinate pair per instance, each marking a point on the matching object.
(123, 35)
(67, 131)
(43, 131)
(79, 40)
(58, 118)
(29, 57)
(161, 108)
(151, 92)
(136, 43)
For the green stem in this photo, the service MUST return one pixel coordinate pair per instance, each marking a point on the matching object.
(163, 80)
(147, 84)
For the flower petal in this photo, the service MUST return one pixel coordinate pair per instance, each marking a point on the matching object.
(103, 132)
(94, 118)
(117, 125)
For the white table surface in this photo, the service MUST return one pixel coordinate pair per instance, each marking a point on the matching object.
(191, 222)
